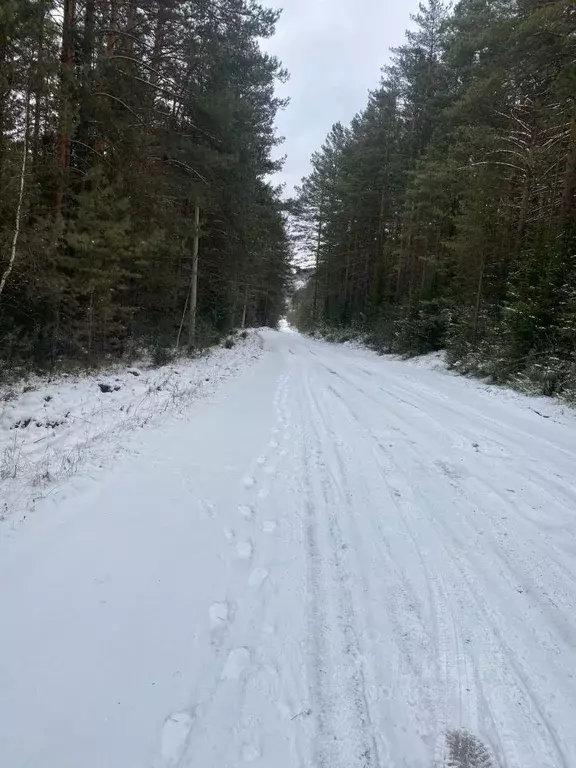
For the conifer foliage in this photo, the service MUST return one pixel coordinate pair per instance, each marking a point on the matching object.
(445, 214)
(134, 135)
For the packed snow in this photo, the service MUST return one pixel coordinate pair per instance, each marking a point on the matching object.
(51, 428)
(336, 561)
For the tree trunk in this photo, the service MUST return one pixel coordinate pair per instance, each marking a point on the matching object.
(318, 244)
(194, 280)
(569, 188)
(67, 59)
(131, 26)
(245, 308)
(344, 311)
(112, 28)
(38, 92)
(85, 97)
(158, 45)
(14, 247)
(479, 296)
(367, 285)
(523, 217)
(38, 85)
(405, 256)
(4, 89)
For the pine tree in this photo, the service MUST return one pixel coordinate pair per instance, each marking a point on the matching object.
(450, 220)
(138, 115)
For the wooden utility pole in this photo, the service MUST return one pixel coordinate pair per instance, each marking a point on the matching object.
(194, 280)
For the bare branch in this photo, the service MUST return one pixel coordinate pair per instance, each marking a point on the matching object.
(179, 163)
(123, 103)
(494, 162)
(87, 146)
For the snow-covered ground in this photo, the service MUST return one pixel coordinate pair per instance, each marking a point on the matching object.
(331, 563)
(53, 428)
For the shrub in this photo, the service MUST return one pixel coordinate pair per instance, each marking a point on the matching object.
(466, 751)
(161, 356)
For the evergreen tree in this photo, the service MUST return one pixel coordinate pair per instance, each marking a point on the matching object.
(131, 116)
(451, 217)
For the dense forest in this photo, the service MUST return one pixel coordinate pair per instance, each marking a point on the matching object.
(136, 142)
(444, 216)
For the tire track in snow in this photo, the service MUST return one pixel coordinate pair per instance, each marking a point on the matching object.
(504, 735)
(401, 604)
(344, 731)
(443, 634)
(457, 692)
(519, 691)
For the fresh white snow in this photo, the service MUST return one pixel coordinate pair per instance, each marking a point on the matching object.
(50, 428)
(330, 563)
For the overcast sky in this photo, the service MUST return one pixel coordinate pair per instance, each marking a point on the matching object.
(334, 50)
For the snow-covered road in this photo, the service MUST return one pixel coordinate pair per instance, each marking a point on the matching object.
(330, 565)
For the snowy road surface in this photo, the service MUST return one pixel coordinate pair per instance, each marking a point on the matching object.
(332, 564)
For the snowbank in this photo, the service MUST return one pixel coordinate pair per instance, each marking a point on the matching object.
(433, 361)
(285, 327)
(52, 427)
